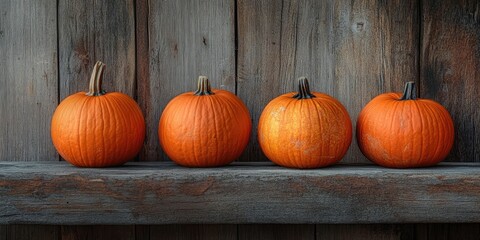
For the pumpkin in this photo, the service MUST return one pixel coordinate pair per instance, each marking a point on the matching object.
(304, 129)
(205, 128)
(98, 129)
(403, 131)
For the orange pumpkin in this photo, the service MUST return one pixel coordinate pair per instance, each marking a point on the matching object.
(304, 129)
(404, 131)
(98, 129)
(205, 128)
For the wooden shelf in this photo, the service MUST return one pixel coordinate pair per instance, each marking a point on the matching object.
(163, 193)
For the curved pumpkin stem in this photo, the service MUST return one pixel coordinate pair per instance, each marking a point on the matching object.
(410, 93)
(303, 89)
(95, 86)
(203, 87)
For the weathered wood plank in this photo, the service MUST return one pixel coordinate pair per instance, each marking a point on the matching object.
(350, 50)
(186, 39)
(28, 79)
(450, 68)
(194, 232)
(276, 232)
(142, 232)
(32, 232)
(363, 231)
(142, 62)
(96, 30)
(3, 232)
(98, 232)
(464, 231)
(163, 193)
(376, 51)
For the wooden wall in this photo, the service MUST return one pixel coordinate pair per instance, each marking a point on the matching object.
(154, 50)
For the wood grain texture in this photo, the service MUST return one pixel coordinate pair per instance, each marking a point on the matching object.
(142, 232)
(363, 231)
(32, 232)
(450, 68)
(276, 232)
(96, 30)
(28, 79)
(194, 232)
(186, 39)
(142, 63)
(3, 232)
(164, 193)
(462, 231)
(98, 232)
(350, 50)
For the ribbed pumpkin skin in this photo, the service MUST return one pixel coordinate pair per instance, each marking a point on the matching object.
(304, 133)
(404, 133)
(204, 131)
(98, 131)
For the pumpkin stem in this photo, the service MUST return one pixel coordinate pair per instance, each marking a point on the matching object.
(95, 86)
(410, 93)
(203, 87)
(303, 89)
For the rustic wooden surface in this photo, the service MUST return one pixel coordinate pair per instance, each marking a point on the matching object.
(366, 231)
(3, 232)
(164, 193)
(450, 68)
(91, 31)
(97, 232)
(276, 232)
(185, 41)
(28, 79)
(350, 50)
(440, 231)
(32, 232)
(194, 232)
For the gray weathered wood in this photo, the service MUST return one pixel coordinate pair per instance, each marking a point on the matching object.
(28, 79)
(450, 68)
(464, 231)
(350, 50)
(161, 193)
(366, 231)
(186, 39)
(32, 232)
(97, 232)
(142, 65)
(276, 232)
(194, 232)
(376, 51)
(90, 31)
(96, 30)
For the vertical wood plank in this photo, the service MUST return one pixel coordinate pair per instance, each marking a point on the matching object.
(464, 231)
(450, 68)
(367, 231)
(89, 31)
(142, 232)
(352, 50)
(96, 30)
(186, 39)
(198, 232)
(32, 232)
(376, 51)
(3, 232)
(28, 79)
(276, 231)
(98, 232)
(142, 63)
